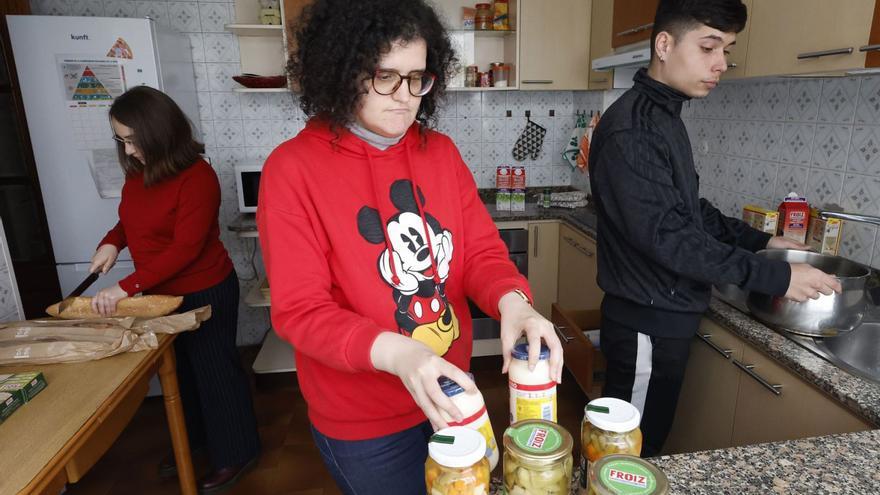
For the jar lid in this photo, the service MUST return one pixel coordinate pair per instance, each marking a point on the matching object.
(612, 414)
(621, 474)
(521, 352)
(451, 388)
(482, 6)
(457, 447)
(537, 440)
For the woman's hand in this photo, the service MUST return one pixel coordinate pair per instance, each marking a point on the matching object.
(419, 368)
(104, 302)
(779, 242)
(517, 318)
(104, 258)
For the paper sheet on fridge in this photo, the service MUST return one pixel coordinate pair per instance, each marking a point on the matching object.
(106, 172)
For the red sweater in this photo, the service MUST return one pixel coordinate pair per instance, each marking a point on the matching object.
(344, 244)
(172, 232)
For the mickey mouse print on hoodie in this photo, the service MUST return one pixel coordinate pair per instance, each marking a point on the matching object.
(350, 254)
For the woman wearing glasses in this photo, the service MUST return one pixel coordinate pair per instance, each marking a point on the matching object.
(168, 221)
(374, 236)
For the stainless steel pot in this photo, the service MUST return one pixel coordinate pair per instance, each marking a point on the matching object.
(826, 316)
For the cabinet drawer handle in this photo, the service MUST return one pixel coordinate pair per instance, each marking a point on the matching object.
(824, 53)
(599, 81)
(535, 243)
(749, 369)
(869, 48)
(637, 29)
(732, 65)
(707, 338)
(538, 81)
(559, 331)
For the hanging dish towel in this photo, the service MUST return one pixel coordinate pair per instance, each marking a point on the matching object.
(583, 158)
(572, 146)
(530, 142)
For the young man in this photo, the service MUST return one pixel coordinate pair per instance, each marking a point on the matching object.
(661, 247)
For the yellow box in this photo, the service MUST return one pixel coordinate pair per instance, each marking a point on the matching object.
(761, 218)
(824, 236)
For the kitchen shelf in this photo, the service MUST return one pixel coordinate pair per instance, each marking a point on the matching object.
(508, 88)
(488, 33)
(256, 29)
(261, 90)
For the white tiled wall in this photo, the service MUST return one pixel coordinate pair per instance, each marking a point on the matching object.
(755, 141)
(238, 128)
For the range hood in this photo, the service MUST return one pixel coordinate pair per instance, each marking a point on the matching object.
(632, 58)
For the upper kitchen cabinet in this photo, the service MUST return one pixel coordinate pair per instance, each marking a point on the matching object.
(633, 21)
(736, 60)
(812, 37)
(260, 45)
(554, 44)
(600, 42)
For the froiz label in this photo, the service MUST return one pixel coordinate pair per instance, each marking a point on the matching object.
(537, 438)
(628, 478)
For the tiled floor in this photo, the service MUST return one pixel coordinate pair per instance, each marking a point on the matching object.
(290, 463)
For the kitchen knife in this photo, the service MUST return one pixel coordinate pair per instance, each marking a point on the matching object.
(78, 291)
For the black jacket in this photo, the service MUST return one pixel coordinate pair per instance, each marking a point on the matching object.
(661, 247)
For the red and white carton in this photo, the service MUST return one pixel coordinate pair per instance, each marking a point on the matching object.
(518, 178)
(794, 217)
(502, 177)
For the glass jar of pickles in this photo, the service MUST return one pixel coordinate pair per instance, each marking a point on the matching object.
(620, 474)
(610, 426)
(537, 458)
(457, 463)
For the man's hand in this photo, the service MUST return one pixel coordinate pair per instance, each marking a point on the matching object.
(808, 282)
(780, 242)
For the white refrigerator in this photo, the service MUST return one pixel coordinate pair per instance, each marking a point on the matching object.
(70, 70)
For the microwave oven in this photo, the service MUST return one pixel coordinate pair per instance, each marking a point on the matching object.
(247, 181)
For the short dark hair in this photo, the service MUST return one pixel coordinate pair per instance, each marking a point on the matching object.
(677, 17)
(338, 42)
(162, 133)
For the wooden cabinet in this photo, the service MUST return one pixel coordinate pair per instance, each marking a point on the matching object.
(581, 358)
(554, 44)
(735, 395)
(736, 60)
(633, 21)
(578, 289)
(602, 15)
(543, 264)
(811, 36)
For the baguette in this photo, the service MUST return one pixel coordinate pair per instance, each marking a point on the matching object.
(138, 306)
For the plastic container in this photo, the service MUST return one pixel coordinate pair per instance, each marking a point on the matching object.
(537, 458)
(484, 17)
(610, 426)
(621, 474)
(457, 463)
(532, 393)
(473, 409)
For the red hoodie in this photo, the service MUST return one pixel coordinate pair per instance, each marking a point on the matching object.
(332, 214)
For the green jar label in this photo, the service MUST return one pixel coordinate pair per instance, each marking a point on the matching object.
(626, 477)
(536, 439)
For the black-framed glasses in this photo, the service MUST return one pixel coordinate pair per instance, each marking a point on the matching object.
(123, 141)
(386, 82)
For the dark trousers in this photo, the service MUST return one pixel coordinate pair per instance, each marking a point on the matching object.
(389, 465)
(646, 371)
(214, 389)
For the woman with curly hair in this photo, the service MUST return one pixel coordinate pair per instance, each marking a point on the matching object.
(374, 237)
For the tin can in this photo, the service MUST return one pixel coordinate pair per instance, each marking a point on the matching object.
(499, 74)
(470, 76)
(485, 79)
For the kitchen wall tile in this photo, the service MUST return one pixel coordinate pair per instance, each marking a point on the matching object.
(723, 132)
(797, 142)
(184, 16)
(158, 11)
(286, 129)
(214, 16)
(221, 47)
(561, 175)
(447, 106)
(831, 146)
(742, 139)
(548, 123)
(803, 100)
(469, 129)
(229, 132)
(703, 135)
(747, 106)
(494, 154)
(254, 106)
(857, 241)
(762, 179)
(868, 107)
(225, 105)
(449, 127)
(717, 170)
(864, 153)
(542, 102)
(258, 154)
(283, 106)
(539, 176)
(470, 104)
(723, 100)
(220, 76)
(861, 194)
(486, 177)
(564, 102)
(838, 101)
(116, 8)
(739, 170)
(768, 140)
(494, 129)
(205, 110)
(206, 133)
(227, 159)
(197, 46)
(791, 178)
(564, 126)
(471, 153)
(875, 257)
(774, 100)
(494, 104)
(86, 8)
(824, 187)
(518, 102)
(258, 132)
(203, 83)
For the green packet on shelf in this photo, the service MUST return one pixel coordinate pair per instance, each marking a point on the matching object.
(18, 388)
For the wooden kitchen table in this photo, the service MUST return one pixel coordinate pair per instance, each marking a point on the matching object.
(56, 437)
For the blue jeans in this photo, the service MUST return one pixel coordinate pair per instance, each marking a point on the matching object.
(389, 465)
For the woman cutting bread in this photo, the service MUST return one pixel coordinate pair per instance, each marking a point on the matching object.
(168, 220)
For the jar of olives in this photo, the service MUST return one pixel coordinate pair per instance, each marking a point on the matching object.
(610, 426)
(457, 463)
(619, 474)
(537, 458)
